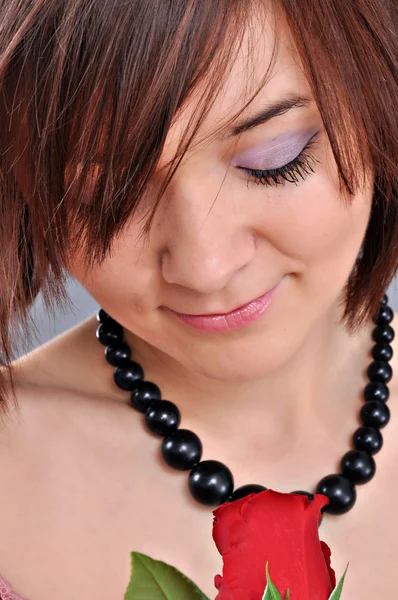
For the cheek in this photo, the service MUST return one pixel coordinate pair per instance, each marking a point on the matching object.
(311, 222)
(318, 230)
(125, 283)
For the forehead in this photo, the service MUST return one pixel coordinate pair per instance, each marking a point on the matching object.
(267, 58)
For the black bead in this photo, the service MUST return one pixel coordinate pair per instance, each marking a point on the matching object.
(211, 483)
(376, 390)
(379, 370)
(384, 315)
(383, 333)
(358, 466)
(126, 376)
(182, 449)
(162, 417)
(108, 333)
(368, 439)
(103, 316)
(143, 394)
(245, 490)
(375, 413)
(384, 300)
(340, 491)
(382, 351)
(118, 354)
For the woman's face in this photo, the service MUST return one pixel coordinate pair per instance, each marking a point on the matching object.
(218, 242)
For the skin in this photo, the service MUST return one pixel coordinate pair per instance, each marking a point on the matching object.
(277, 401)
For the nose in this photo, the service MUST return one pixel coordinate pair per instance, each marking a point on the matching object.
(206, 240)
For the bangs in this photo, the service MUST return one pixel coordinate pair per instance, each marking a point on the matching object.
(105, 82)
(116, 120)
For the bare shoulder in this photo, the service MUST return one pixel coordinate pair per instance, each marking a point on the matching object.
(60, 401)
(69, 462)
(72, 361)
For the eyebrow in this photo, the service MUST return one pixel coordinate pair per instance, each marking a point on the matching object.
(275, 109)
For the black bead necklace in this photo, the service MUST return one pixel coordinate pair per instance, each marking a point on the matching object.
(210, 481)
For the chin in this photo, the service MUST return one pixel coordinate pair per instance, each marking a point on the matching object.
(246, 365)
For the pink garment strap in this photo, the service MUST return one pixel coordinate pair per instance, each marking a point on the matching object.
(7, 593)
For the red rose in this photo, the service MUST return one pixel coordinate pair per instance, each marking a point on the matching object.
(281, 529)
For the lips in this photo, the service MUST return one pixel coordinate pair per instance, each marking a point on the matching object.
(220, 314)
(232, 320)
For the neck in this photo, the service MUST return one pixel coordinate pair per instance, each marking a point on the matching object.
(315, 395)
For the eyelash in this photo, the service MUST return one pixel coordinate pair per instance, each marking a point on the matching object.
(298, 167)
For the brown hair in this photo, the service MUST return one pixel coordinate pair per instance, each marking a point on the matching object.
(90, 89)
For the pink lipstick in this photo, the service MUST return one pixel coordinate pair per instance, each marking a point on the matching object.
(236, 319)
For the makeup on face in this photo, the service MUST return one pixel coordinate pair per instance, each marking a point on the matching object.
(277, 152)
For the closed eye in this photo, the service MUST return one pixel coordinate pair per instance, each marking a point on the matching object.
(298, 168)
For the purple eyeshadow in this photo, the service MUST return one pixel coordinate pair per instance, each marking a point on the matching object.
(276, 153)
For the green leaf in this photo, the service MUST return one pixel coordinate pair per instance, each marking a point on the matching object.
(287, 595)
(335, 595)
(270, 593)
(155, 580)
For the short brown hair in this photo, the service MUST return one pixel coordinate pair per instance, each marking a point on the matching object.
(91, 88)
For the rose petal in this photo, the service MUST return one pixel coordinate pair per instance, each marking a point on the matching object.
(275, 527)
(224, 593)
(327, 554)
(224, 517)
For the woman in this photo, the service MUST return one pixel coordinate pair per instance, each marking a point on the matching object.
(131, 133)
